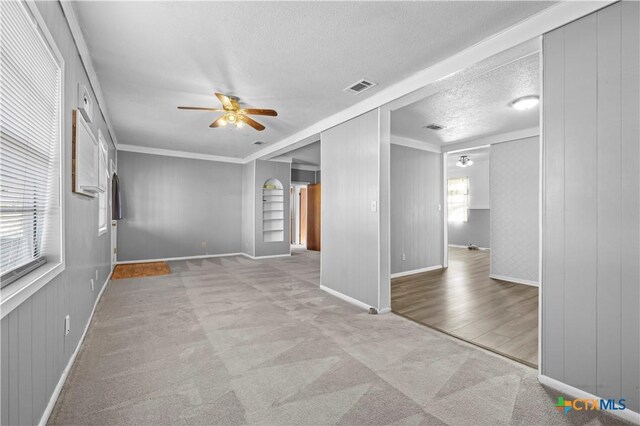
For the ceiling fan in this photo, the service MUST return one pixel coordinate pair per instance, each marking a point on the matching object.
(234, 114)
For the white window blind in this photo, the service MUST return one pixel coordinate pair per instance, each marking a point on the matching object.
(458, 199)
(30, 103)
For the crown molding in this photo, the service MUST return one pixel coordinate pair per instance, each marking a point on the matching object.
(306, 167)
(536, 25)
(179, 154)
(85, 58)
(415, 144)
(490, 140)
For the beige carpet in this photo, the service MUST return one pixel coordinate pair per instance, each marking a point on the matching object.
(237, 341)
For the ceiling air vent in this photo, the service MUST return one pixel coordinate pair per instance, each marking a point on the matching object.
(434, 126)
(258, 143)
(359, 86)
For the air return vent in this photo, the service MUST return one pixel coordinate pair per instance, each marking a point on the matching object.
(434, 126)
(359, 86)
(258, 143)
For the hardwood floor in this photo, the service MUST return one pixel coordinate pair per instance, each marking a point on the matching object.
(464, 302)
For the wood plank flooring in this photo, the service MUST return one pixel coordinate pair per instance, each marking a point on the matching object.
(464, 302)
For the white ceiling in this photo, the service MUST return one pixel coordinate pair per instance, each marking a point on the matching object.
(295, 57)
(475, 107)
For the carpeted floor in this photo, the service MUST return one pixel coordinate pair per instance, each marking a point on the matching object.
(139, 270)
(236, 341)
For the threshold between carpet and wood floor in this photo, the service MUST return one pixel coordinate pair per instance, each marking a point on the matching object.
(464, 302)
(239, 341)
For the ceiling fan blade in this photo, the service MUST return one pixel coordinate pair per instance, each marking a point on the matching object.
(226, 102)
(235, 104)
(220, 121)
(251, 122)
(201, 108)
(260, 111)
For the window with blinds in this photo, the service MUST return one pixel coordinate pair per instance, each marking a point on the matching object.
(30, 120)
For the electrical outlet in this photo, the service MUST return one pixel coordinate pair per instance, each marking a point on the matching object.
(67, 325)
(404, 256)
(96, 275)
(204, 244)
(92, 284)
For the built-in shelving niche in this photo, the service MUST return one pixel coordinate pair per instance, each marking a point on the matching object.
(272, 211)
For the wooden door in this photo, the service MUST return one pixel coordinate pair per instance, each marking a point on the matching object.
(313, 217)
(303, 217)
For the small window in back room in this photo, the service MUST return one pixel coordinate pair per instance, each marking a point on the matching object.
(458, 199)
(30, 142)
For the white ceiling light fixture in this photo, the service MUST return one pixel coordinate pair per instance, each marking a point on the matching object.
(526, 102)
(464, 161)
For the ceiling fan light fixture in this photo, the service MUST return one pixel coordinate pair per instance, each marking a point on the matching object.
(526, 102)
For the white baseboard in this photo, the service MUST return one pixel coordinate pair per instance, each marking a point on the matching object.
(384, 311)
(460, 246)
(626, 414)
(514, 280)
(265, 257)
(167, 259)
(65, 372)
(416, 271)
(346, 298)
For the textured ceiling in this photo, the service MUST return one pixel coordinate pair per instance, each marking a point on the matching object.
(295, 57)
(475, 107)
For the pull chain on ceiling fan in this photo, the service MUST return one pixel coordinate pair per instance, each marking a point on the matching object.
(234, 114)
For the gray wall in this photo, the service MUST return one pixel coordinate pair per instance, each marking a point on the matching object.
(172, 205)
(248, 208)
(307, 176)
(416, 221)
(351, 159)
(514, 187)
(474, 231)
(591, 278)
(35, 349)
(281, 171)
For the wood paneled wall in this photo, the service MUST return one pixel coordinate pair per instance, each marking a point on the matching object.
(591, 239)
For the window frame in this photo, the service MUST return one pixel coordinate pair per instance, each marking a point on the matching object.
(18, 291)
(465, 203)
(103, 158)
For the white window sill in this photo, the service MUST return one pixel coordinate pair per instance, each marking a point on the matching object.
(20, 290)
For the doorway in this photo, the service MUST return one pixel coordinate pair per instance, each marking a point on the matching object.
(475, 277)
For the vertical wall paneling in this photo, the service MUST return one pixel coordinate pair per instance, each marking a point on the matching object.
(591, 277)
(248, 208)
(4, 372)
(38, 360)
(25, 396)
(630, 232)
(553, 210)
(350, 229)
(416, 221)
(609, 198)
(35, 350)
(176, 207)
(581, 205)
